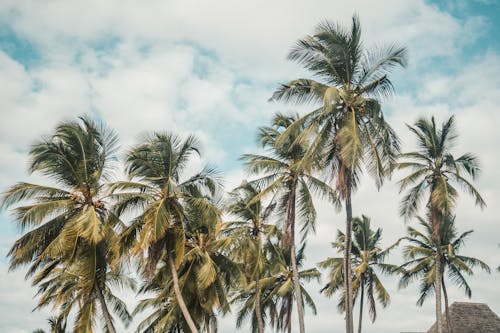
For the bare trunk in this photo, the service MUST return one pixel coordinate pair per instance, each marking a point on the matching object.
(347, 262)
(298, 291)
(436, 217)
(361, 305)
(290, 241)
(446, 307)
(258, 307)
(178, 296)
(105, 312)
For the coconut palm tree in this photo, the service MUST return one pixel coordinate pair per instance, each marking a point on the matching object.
(367, 258)
(434, 173)
(277, 287)
(249, 231)
(69, 222)
(421, 255)
(160, 192)
(350, 128)
(288, 173)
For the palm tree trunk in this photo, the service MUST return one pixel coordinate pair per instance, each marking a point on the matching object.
(446, 307)
(361, 305)
(105, 312)
(436, 229)
(290, 238)
(347, 262)
(258, 307)
(178, 296)
(437, 282)
(298, 290)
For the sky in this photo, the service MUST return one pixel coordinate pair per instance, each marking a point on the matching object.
(208, 68)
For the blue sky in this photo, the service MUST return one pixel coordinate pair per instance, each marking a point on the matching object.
(209, 67)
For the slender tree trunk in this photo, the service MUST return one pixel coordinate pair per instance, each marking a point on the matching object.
(361, 305)
(446, 307)
(258, 304)
(105, 312)
(298, 290)
(290, 239)
(347, 262)
(178, 296)
(437, 283)
(436, 218)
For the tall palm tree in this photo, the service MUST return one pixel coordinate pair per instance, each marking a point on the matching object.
(421, 265)
(248, 231)
(287, 172)
(70, 225)
(434, 171)
(367, 258)
(350, 126)
(160, 193)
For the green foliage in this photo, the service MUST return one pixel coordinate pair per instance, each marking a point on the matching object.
(435, 171)
(367, 258)
(349, 125)
(276, 288)
(71, 242)
(421, 255)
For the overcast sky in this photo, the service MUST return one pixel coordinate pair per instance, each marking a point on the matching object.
(209, 67)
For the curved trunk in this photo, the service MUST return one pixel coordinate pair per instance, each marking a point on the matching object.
(347, 262)
(178, 296)
(361, 305)
(446, 307)
(105, 312)
(289, 239)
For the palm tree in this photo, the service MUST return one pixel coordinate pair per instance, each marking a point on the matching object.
(421, 255)
(367, 258)
(159, 190)
(350, 126)
(248, 232)
(277, 287)
(288, 173)
(70, 225)
(434, 170)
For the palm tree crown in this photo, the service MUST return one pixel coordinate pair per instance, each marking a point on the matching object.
(434, 169)
(72, 228)
(421, 255)
(367, 258)
(161, 194)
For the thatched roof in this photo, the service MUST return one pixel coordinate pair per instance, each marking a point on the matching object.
(471, 318)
